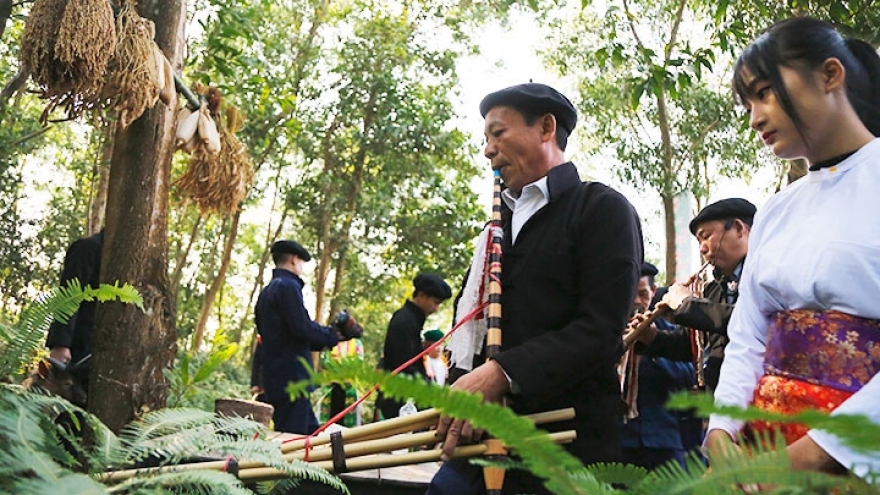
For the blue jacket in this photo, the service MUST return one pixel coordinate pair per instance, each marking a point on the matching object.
(288, 333)
(657, 427)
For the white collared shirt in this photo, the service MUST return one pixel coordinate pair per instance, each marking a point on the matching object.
(532, 198)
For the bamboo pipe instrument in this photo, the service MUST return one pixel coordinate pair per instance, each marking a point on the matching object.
(493, 477)
(661, 308)
(384, 461)
(355, 437)
(375, 446)
(419, 420)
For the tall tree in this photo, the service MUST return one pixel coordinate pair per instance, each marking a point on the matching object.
(132, 348)
(388, 176)
(675, 129)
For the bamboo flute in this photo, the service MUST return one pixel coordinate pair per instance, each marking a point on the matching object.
(494, 476)
(661, 308)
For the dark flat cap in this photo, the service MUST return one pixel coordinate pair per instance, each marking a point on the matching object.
(649, 270)
(291, 247)
(536, 99)
(432, 335)
(726, 208)
(432, 285)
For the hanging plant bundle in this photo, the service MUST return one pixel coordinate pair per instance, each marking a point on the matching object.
(217, 181)
(38, 57)
(133, 75)
(38, 43)
(86, 42)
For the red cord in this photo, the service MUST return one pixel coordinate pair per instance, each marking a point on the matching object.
(397, 370)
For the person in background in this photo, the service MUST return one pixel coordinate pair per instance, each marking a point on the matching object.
(436, 366)
(71, 343)
(722, 231)
(289, 335)
(807, 324)
(403, 340)
(653, 437)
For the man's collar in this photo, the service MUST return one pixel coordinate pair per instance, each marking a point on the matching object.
(560, 179)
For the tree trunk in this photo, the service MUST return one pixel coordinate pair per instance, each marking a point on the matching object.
(183, 254)
(217, 284)
(101, 180)
(131, 348)
(669, 218)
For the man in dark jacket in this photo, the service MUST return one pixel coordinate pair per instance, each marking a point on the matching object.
(403, 341)
(572, 252)
(71, 342)
(722, 229)
(654, 436)
(289, 336)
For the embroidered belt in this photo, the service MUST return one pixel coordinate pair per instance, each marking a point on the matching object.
(814, 360)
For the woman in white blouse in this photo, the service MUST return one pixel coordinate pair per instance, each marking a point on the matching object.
(806, 329)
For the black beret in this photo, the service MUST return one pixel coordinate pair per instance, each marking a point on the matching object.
(533, 98)
(432, 285)
(726, 208)
(649, 270)
(291, 247)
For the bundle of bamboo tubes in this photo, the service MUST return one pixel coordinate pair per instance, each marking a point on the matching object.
(354, 449)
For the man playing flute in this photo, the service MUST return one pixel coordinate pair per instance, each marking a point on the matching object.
(572, 253)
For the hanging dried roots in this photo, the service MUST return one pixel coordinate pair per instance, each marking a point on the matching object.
(86, 42)
(38, 57)
(38, 44)
(216, 181)
(133, 75)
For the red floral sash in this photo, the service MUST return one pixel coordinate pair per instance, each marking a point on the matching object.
(814, 360)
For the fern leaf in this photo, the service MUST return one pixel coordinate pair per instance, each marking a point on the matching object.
(540, 454)
(858, 432)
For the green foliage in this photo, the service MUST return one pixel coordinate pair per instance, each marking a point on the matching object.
(19, 342)
(764, 463)
(199, 378)
(856, 431)
(34, 462)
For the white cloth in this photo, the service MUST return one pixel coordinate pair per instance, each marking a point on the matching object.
(815, 245)
(468, 340)
(533, 197)
(438, 368)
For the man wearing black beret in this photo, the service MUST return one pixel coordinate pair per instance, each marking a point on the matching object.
(403, 340)
(288, 336)
(722, 230)
(572, 252)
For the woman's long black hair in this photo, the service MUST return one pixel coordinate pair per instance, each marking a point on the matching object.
(804, 44)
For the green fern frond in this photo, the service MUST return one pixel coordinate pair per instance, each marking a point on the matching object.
(539, 453)
(215, 359)
(615, 473)
(191, 482)
(22, 339)
(282, 487)
(858, 432)
(305, 471)
(73, 483)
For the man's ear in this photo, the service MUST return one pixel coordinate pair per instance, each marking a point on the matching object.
(833, 74)
(548, 127)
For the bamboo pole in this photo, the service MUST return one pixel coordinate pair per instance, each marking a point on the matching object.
(351, 437)
(385, 461)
